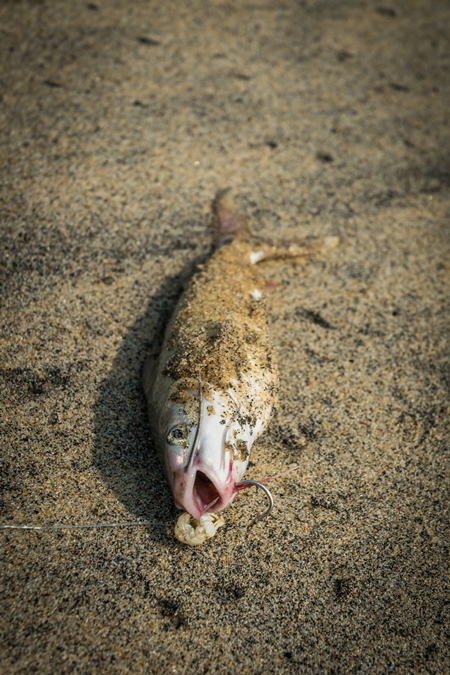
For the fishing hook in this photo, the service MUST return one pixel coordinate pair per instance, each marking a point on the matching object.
(256, 483)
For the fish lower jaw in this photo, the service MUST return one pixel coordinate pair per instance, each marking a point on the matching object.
(202, 495)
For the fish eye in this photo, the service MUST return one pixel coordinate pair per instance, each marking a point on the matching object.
(177, 436)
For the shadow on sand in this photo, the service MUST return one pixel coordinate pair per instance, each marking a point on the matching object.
(123, 451)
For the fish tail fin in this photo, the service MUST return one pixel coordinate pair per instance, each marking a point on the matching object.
(226, 223)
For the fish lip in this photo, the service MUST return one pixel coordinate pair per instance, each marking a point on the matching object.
(196, 492)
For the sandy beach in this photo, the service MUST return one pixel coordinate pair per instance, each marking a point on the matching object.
(119, 123)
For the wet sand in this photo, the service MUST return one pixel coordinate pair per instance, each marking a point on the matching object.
(120, 121)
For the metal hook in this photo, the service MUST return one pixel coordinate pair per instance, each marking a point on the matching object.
(268, 511)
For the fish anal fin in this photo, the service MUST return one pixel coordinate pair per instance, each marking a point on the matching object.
(271, 285)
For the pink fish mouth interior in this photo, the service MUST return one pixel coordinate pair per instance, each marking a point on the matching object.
(205, 492)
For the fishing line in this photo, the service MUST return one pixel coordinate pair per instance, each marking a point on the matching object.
(156, 523)
(86, 526)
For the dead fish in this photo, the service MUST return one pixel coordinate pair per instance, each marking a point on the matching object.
(214, 384)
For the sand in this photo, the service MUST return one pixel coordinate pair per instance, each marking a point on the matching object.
(120, 121)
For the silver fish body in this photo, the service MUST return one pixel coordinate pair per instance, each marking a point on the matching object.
(211, 391)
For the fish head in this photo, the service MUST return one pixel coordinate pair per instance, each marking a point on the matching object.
(205, 449)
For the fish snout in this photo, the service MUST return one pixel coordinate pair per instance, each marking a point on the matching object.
(202, 460)
(201, 491)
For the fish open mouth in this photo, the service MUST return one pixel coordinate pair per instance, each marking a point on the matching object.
(205, 492)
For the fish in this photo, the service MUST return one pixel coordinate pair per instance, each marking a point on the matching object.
(214, 384)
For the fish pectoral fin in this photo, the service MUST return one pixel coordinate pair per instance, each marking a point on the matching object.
(300, 248)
